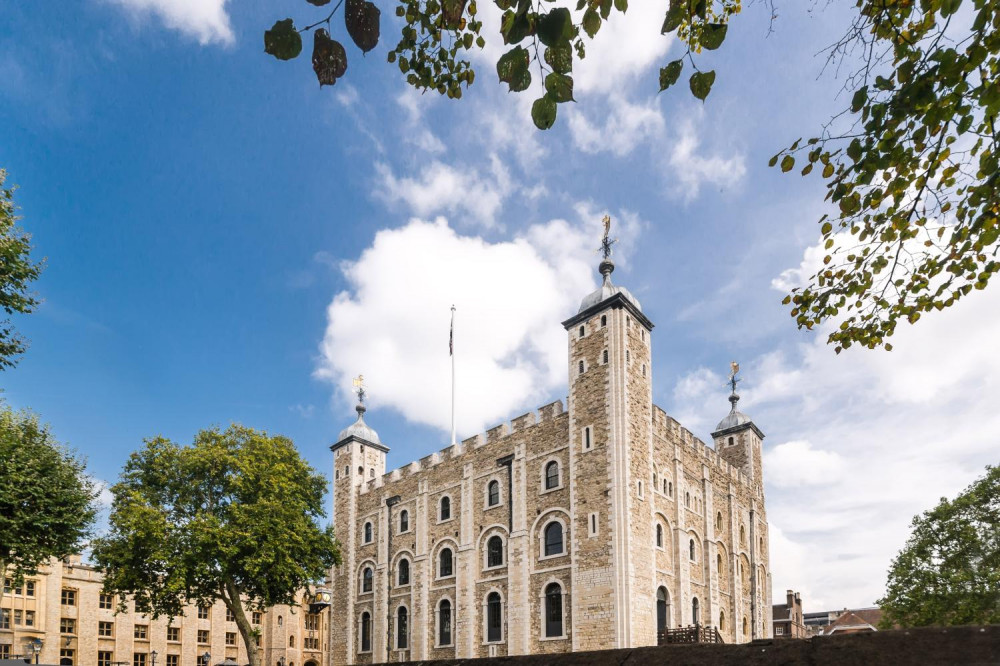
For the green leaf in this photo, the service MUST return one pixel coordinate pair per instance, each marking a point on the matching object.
(560, 58)
(512, 68)
(559, 87)
(283, 41)
(713, 35)
(329, 58)
(675, 14)
(701, 84)
(451, 13)
(787, 163)
(670, 74)
(543, 112)
(591, 22)
(556, 27)
(362, 20)
(854, 150)
(621, 5)
(828, 170)
(860, 97)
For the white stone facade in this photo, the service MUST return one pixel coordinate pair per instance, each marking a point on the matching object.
(658, 530)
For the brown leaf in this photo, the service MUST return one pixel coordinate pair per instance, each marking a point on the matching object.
(362, 20)
(329, 58)
(451, 12)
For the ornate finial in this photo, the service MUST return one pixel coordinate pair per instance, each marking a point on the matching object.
(359, 388)
(734, 369)
(606, 265)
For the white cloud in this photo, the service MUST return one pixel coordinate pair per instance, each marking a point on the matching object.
(625, 127)
(691, 169)
(392, 324)
(205, 20)
(441, 188)
(865, 440)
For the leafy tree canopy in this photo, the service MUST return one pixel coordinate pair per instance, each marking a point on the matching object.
(46, 499)
(16, 271)
(911, 164)
(949, 571)
(232, 517)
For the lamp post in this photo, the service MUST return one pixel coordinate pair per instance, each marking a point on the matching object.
(153, 656)
(207, 657)
(36, 648)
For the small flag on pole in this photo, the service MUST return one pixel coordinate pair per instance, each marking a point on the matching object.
(451, 334)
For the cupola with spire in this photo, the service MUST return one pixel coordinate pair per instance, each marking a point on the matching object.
(737, 438)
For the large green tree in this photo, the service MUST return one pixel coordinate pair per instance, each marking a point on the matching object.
(910, 165)
(46, 498)
(949, 571)
(17, 271)
(232, 517)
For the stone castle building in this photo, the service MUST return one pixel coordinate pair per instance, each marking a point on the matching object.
(596, 524)
(64, 613)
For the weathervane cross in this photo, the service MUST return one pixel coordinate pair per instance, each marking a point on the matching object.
(359, 388)
(606, 242)
(734, 368)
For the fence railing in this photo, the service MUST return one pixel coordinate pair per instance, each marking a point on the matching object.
(694, 634)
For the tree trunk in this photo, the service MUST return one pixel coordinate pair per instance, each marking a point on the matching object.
(251, 636)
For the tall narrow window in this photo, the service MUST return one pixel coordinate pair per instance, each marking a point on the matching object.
(493, 493)
(552, 475)
(553, 538)
(444, 622)
(722, 621)
(695, 615)
(664, 486)
(445, 508)
(553, 611)
(402, 632)
(604, 320)
(718, 564)
(661, 609)
(718, 521)
(583, 331)
(592, 527)
(494, 618)
(687, 500)
(494, 552)
(368, 532)
(404, 520)
(628, 357)
(404, 572)
(604, 356)
(445, 563)
(580, 366)
(366, 632)
(743, 536)
(691, 549)
(659, 536)
(586, 438)
(670, 488)
(366, 580)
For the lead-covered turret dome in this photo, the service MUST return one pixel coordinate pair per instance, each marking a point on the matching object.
(607, 290)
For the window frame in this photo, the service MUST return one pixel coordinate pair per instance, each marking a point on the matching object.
(367, 579)
(402, 564)
(493, 611)
(490, 485)
(440, 507)
(546, 488)
(438, 568)
(490, 540)
(439, 625)
(543, 542)
(404, 521)
(546, 610)
(364, 632)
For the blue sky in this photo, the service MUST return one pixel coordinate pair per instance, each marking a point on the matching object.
(228, 242)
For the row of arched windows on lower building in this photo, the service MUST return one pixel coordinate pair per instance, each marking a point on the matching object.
(552, 625)
(553, 544)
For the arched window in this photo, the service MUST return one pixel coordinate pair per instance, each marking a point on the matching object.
(279, 621)
(553, 538)
(691, 548)
(655, 477)
(718, 564)
(580, 366)
(731, 439)
(444, 622)
(552, 475)
(695, 615)
(586, 438)
(494, 617)
(371, 473)
(583, 331)
(445, 508)
(687, 499)
(722, 620)
(366, 580)
(445, 563)
(662, 606)
(347, 470)
(291, 641)
(718, 521)
(402, 630)
(493, 493)
(368, 532)
(743, 536)
(404, 520)
(494, 552)
(659, 535)
(553, 610)
(604, 356)
(404, 572)
(361, 470)
(366, 632)
(670, 488)
(604, 320)
(746, 627)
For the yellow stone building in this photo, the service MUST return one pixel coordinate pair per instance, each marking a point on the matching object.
(597, 524)
(63, 611)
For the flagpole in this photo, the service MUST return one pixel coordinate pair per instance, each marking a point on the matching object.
(452, 350)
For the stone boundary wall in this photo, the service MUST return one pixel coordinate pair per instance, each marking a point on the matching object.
(926, 646)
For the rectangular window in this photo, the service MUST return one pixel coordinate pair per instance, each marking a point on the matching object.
(173, 660)
(141, 631)
(105, 658)
(312, 622)
(106, 602)
(139, 658)
(68, 597)
(7, 589)
(230, 638)
(18, 618)
(173, 634)
(29, 618)
(203, 636)
(4, 651)
(29, 588)
(592, 525)
(640, 490)
(202, 612)
(256, 617)
(230, 616)
(106, 629)
(66, 657)
(586, 439)
(779, 630)
(67, 625)
(4, 619)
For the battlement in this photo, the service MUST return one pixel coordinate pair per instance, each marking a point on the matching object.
(518, 425)
(670, 429)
